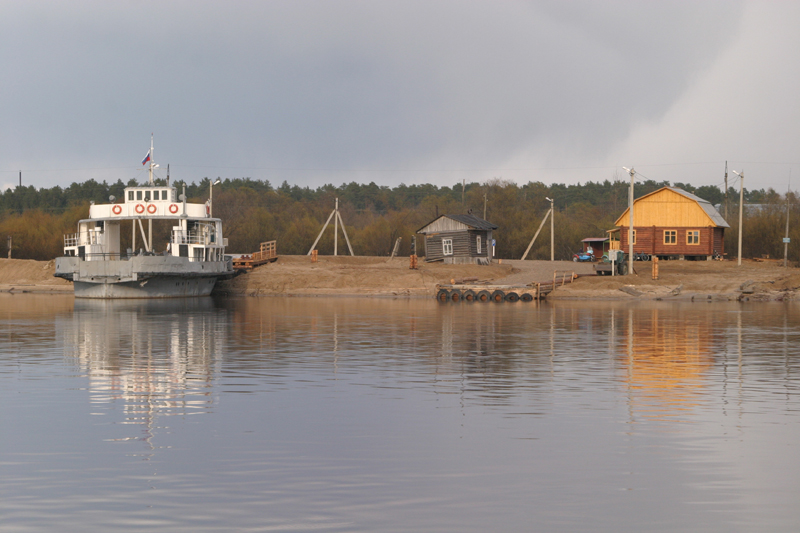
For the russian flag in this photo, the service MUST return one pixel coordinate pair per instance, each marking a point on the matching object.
(146, 158)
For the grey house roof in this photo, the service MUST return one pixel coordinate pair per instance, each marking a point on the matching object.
(456, 223)
(710, 210)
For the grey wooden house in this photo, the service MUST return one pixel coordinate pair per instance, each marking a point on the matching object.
(457, 239)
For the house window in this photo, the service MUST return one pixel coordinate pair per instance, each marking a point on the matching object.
(633, 237)
(693, 237)
(478, 241)
(670, 236)
(447, 246)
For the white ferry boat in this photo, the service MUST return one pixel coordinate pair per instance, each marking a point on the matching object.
(189, 265)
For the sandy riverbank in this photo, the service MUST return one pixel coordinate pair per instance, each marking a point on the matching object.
(372, 276)
(377, 276)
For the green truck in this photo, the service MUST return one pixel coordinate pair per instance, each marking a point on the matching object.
(615, 263)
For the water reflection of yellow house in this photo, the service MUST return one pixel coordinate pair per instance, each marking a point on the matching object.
(665, 361)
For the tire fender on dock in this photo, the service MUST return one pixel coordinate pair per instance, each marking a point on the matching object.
(483, 296)
(512, 297)
(455, 295)
(443, 295)
(498, 296)
(468, 295)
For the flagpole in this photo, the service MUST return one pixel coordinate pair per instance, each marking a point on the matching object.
(151, 159)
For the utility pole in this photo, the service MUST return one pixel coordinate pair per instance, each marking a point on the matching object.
(786, 238)
(726, 191)
(630, 229)
(741, 209)
(20, 178)
(463, 188)
(484, 206)
(552, 231)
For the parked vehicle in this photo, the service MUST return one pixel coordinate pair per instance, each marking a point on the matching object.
(583, 257)
(616, 261)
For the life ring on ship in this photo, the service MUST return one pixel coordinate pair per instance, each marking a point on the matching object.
(139, 208)
(152, 208)
(173, 208)
(117, 209)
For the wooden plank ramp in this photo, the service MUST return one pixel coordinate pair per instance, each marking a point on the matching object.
(472, 290)
(267, 253)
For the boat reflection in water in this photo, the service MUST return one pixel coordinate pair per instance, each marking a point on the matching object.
(155, 357)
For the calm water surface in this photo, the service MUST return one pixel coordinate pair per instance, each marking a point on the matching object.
(265, 414)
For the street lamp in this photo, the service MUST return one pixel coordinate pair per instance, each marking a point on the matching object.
(741, 207)
(630, 228)
(211, 196)
(552, 234)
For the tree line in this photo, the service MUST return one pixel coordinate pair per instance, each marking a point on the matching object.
(254, 211)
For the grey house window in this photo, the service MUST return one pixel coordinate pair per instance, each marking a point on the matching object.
(479, 244)
(447, 246)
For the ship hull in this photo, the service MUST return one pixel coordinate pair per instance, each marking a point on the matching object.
(154, 287)
(142, 277)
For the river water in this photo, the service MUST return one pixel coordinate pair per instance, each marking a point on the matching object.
(338, 414)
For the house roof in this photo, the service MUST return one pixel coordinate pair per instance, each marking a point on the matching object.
(462, 222)
(595, 239)
(705, 205)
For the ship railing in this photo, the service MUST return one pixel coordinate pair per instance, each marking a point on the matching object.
(72, 239)
(82, 239)
(193, 238)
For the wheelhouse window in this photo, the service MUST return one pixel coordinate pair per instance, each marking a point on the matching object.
(693, 237)
(164, 195)
(478, 242)
(130, 196)
(155, 195)
(138, 195)
(447, 246)
(670, 236)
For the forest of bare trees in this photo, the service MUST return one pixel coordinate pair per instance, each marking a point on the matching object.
(254, 211)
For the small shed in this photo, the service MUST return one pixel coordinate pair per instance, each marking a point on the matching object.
(598, 245)
(672, 222)
(458, 239)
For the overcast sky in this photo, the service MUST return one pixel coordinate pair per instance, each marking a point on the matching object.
(316, 92)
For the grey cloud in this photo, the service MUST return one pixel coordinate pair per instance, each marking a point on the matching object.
(340, 85)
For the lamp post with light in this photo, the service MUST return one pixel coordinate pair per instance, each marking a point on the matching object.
(211, 196)
(741, 207)
(552, 234)
(630, 229)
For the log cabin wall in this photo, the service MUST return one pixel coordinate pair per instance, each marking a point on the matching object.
(651, 240)
(465, 245)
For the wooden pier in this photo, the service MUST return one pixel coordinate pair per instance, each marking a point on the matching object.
(267, 253)
(476, 291)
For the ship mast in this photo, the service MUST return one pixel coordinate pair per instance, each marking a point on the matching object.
(152, 161)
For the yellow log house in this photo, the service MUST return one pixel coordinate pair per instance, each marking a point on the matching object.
(671, 222)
